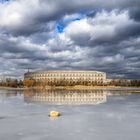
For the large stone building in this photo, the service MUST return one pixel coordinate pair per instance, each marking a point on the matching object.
(71, 76)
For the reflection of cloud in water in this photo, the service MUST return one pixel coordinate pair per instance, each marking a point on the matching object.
(5, 94)
(9, 93)
(67, 96)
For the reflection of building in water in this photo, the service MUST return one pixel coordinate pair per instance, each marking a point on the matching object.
(67, 96)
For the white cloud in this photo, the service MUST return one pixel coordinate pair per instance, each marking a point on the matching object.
(118, 58)
(103, 27)
(99, 40)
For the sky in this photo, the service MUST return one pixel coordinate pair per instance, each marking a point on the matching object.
(101, 35)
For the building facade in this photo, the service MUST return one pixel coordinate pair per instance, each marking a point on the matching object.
(70, 77)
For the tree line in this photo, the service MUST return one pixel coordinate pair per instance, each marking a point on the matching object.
(64, 82)
(9, 82)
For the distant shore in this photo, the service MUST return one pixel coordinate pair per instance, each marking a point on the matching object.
(13, 88)
(136, 89)
(78, 87)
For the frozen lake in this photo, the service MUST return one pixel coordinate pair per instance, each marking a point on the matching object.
(86, 115)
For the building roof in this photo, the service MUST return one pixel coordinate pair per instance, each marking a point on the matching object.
(61, 71)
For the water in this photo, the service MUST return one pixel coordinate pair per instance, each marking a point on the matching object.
(86, 115)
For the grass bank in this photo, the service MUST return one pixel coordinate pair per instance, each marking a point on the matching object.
(12, 88)
(80, 87)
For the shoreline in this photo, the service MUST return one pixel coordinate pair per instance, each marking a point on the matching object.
(12, 88)
(74, 88)
(109, 88)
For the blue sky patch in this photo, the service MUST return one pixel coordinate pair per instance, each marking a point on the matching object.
(60, 27)
(65, 21)
(3, 1)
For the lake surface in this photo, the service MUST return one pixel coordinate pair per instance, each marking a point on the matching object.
(86, 115)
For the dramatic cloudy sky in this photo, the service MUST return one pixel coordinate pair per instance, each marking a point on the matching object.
(99, 35)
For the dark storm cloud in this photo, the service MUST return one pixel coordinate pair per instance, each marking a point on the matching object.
(27, 17)
(115, 27)
(135, 12)
(106, 37)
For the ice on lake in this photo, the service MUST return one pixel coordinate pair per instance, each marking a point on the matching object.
(86, 115)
